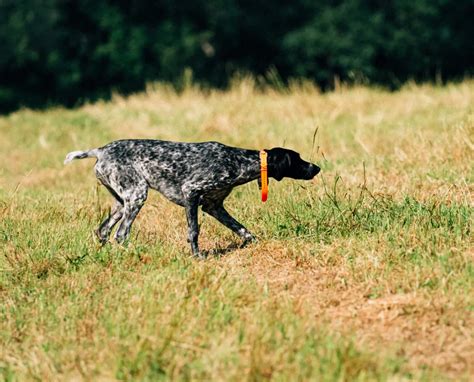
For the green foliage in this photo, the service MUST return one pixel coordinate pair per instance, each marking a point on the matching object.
(65, 52)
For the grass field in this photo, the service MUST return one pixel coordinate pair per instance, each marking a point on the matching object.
(365, 273)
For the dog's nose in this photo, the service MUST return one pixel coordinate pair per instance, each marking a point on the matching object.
(311, 171)
(315, 170)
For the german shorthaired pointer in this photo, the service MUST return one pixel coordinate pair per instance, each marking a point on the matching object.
(188, 174)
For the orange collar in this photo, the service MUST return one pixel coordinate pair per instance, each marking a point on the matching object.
(264, 174)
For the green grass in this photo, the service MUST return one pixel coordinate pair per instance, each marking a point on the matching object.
(364, 274)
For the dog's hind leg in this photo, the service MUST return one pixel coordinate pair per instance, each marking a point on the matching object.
(116, 213)
(134, 198)
(104, 230)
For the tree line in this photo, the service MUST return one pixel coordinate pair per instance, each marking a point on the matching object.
(66, 51)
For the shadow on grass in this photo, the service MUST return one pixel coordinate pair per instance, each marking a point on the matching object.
(223, 251)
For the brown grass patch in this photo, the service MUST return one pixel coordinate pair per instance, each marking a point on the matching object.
(428, 330)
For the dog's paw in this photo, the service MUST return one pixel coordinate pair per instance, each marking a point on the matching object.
(200, 256)
(250, 239)
(99, 238)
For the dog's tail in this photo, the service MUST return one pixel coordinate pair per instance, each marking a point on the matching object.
(94, 153)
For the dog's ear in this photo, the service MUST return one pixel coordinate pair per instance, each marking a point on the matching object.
(279, 162)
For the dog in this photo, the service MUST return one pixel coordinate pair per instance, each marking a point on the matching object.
(188, 174)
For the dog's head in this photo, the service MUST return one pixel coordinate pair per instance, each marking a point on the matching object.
(284, 163)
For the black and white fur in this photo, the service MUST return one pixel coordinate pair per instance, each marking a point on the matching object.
(188, 174)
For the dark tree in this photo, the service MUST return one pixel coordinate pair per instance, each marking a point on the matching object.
(65, 51)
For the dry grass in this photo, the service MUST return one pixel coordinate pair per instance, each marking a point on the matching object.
(364, 274)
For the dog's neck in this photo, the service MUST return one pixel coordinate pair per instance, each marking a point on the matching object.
(250, 161)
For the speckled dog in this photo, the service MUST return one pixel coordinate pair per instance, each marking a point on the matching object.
(188, 174)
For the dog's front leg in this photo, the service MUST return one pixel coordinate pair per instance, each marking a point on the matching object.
(192, 205)
(220, 213)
